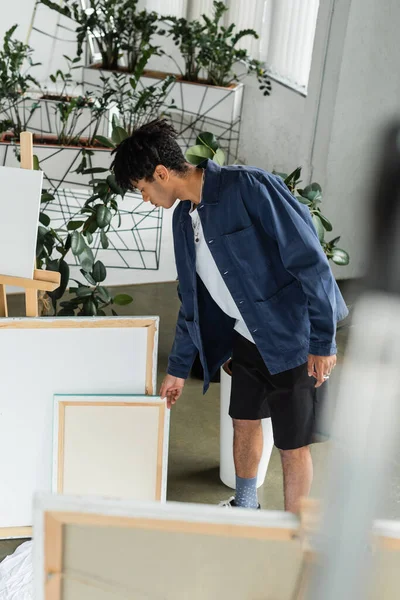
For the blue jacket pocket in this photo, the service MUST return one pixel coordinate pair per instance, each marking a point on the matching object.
(284, 317)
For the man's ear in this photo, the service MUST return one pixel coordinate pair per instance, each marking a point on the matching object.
(162, 173)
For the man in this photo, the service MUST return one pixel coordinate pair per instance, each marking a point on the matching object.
(255, 285)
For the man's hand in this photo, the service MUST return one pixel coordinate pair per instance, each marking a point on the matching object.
(228, 367)
(320, 366)
(171, 389)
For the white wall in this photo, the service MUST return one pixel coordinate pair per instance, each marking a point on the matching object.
(18, 11)
(271, 127)
(359, 94)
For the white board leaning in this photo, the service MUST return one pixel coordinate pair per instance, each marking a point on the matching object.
(44, 357)
(20, 193)
(169, 551)
(111, 446)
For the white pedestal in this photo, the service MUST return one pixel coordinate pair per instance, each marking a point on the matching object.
(227, 467)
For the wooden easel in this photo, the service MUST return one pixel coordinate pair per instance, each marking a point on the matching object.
(46, 281)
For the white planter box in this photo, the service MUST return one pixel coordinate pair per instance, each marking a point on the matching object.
(196, 99)
(46, 119)
(59, 163)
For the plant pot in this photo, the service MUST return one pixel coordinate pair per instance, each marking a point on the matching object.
(195, 99)
(203, 100)
(59, 163)
(46, 119)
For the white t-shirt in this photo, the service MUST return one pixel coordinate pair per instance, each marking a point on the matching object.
(208, 272)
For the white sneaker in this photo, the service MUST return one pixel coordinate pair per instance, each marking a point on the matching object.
(231, 503)
(228, 503)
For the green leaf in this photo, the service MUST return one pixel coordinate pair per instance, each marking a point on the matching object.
(114, 185)
(89, 237)
(303, 200)
(104, 294)
(118, 135)
(334, 241)
(95, 170)
(197, 154)
(340, 257)
(325, 222)
(104, 239)
(46, 197)
(36, 166)
(66, 312)
(44, 219)
(115, 314)
(86, 259)
(72, 225)
(104, 141)
(319, 227)
(77, 243)
(83, 291)
(207, 139)
(62, 267)
(99, 272)
(88, 277)
(313, 192)
(103, 216)
(219, 157)
(90, 308)
(122, 299)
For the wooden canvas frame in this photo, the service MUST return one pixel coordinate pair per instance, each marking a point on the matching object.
(60, 404)
(151, 325)
(53, 513)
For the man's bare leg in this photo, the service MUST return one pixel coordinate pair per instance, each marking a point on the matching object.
(297, 476)
(247, 447)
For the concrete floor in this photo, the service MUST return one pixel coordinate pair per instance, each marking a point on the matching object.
(194, 438)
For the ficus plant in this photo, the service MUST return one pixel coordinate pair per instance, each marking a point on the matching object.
(207, 147)
(311, 196)
(92, 297)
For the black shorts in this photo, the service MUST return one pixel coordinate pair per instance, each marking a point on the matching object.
(289, 398)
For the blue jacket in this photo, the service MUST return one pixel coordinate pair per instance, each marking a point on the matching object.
(266, 248)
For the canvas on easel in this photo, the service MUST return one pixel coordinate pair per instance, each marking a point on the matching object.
(20, 199)
(19, 208)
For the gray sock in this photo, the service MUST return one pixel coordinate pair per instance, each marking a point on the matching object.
(246, 492)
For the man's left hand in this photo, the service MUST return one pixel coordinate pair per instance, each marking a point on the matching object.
(321, 367)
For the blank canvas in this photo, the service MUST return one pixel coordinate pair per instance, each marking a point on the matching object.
(112, 446)
(43, 357)
(97, 549)
(20, 193)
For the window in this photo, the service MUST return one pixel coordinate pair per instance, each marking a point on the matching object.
(286, 29)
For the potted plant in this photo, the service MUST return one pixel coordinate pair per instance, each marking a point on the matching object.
(70, 119)
(210, 54)
(118, 35)
(15, 81)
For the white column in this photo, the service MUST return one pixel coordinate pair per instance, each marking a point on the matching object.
(227, 467)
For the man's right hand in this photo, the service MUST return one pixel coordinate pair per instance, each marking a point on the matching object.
(171, 389)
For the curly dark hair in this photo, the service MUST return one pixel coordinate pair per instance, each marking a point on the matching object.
(138, 155)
